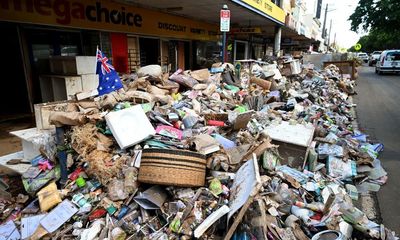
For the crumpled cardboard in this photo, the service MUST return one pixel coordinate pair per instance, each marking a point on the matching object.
(205, 144)
(60, 119)
(201, 75)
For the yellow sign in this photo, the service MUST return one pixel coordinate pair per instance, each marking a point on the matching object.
(247, 30)
(266, 7)
(106, 16)
(357, 47)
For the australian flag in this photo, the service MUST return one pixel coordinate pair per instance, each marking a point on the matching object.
(108, 78)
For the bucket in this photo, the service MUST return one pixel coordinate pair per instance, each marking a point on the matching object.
(328, 235)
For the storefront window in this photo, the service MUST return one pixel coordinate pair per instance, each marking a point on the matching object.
(93, 40)
(105, 44)
(207, 53)
(69, 50)
(257, 51)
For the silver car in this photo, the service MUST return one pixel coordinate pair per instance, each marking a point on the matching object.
(374, 57)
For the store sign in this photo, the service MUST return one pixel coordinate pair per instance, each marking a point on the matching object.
(247, 30)
(106, 16)
(225, 20)
(265, 8)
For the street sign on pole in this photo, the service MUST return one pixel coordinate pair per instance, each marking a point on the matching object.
(225, 20)
(358, 47)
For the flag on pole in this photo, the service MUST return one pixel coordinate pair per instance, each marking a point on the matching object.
(109, 80)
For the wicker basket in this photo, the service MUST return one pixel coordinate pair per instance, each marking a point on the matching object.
(172, 167)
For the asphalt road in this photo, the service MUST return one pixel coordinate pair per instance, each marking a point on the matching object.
(378, 112)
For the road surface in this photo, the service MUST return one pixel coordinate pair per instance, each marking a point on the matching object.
(378, 112)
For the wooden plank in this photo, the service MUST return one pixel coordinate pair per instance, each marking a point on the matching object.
(12, 169)
(87, 94)
(238, 219)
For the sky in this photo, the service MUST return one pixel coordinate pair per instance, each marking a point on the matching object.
(339, 11)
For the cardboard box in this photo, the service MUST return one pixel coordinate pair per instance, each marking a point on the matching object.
(43, 111)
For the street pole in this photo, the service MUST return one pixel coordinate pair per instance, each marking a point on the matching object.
(329, 36)
(224, 47)
(334, 42)
(324, 25)
(225, 16)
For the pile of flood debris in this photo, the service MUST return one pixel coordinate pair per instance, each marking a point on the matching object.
(253, 151)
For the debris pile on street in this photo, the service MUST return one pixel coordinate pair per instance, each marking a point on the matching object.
(253, 151)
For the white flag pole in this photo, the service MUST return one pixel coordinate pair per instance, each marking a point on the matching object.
(97, 51)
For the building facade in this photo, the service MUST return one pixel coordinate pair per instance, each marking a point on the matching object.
(174, 34)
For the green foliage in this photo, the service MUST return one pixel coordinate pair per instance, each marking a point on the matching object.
(383, 15)
(382, 19)
(352, 49)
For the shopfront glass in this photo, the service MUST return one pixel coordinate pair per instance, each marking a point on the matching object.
(206, 54)
(241, 50)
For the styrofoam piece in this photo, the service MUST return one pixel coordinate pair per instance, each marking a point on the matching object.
(18, 168)
(129, 126)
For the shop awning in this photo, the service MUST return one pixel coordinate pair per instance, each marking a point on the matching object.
(206, 11)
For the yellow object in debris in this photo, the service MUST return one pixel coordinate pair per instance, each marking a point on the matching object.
(176, 96)
(49, 197)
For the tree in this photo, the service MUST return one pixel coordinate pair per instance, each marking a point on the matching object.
(381, 18)
(382, 15)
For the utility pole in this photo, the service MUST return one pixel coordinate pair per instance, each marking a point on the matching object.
(334, 41)
(324, 25)
(329, 36)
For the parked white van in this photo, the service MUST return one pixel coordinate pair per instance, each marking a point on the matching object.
(388, 62)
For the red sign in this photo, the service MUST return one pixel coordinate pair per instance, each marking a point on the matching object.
(225, 17)
(225, 14)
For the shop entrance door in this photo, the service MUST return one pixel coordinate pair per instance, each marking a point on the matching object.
(149, 51)
(179, 55)
(241, 50)
(14, 99)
